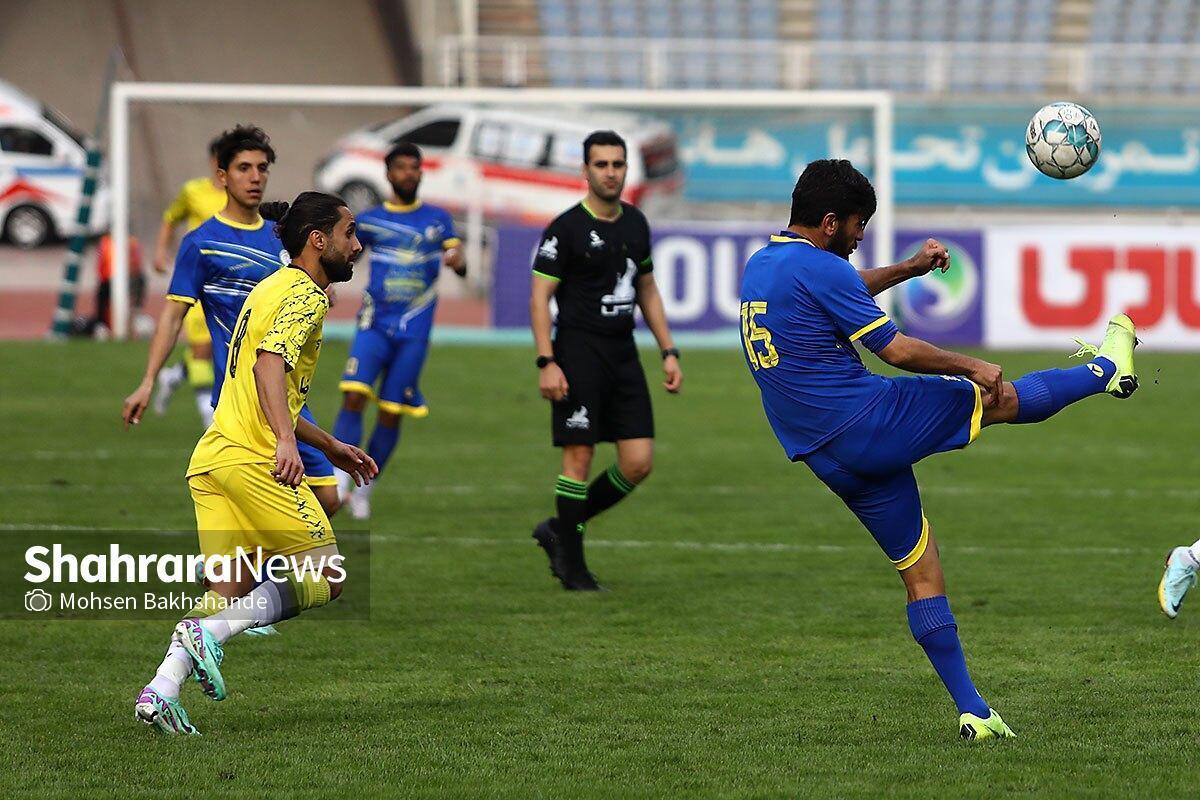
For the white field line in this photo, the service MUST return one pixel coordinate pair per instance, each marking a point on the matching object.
(634, 544)
(930, 488)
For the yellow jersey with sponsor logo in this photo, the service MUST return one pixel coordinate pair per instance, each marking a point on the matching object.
(198, 201)
(283, 314)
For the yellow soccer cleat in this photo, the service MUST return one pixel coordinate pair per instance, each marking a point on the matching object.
(1119, 341)
(974, 729)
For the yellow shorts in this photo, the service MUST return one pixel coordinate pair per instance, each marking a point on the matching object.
(195, 327)
(242, 505)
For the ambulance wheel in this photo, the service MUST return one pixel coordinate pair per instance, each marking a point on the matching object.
(27, 227)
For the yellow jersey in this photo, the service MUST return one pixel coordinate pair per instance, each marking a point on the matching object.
(197, 202)
(283, 314)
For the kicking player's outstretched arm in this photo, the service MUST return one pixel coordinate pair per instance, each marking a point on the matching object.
(345, 457)
(165, 334)
(270, 383)
(915, 355)
(650, 301)
(932, 255)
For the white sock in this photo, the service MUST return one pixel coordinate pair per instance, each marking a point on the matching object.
(365, 491)
(265, 604)
(1193, 555)
(174, 374)
(172, 672)
(204, 406)
(344, 484)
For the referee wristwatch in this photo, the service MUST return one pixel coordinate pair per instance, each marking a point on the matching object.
(544, 361)
(670, 351)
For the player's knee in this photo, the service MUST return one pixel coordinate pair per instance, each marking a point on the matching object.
(636, 470)
(389, 419)
(354, 401)
(202, 351)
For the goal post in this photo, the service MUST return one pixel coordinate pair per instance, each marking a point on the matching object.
(125, 95)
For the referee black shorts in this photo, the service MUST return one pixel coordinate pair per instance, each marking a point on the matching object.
(607, 398)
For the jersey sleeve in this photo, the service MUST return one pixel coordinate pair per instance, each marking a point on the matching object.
(187, 280)
(178, 210)
(297, 317)
(645, 260)
(449, 235)
(552, 252)
(365, 230)
(854, 312)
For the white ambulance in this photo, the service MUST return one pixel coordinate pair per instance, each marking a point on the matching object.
(524, 163)
(42, 160)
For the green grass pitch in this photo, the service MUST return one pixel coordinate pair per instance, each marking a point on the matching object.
(753, 643)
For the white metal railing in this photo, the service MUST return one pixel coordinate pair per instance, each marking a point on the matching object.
(926, 68)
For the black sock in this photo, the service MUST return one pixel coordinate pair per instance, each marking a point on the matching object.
(606, 491)
(571, 500)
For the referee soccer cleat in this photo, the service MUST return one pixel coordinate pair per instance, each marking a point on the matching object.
(1119, 341)
(581, 580)
(975, 729)
(1178, 577)
(207, 655)
(544, 535)
(165, 716)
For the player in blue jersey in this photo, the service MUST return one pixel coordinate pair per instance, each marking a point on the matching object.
(803, 306)
(217, 265)
(410, 241)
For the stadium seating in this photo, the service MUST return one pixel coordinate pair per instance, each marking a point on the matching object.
(983, 46)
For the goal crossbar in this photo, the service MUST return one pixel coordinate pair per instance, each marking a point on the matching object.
(125, 94)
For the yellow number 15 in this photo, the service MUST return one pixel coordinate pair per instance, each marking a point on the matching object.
(752, 332)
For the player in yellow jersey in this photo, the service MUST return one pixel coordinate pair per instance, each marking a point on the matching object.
(197, 201)
(246, 475)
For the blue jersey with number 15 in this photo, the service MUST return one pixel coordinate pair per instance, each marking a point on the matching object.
(802, 309)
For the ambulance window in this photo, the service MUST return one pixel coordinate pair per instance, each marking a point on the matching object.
(566, 152)
(439, 133)
(25, 141)
(490, 139)
(526, 146)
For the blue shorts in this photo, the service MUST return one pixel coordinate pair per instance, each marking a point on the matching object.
(398, 359)
(869, 465)
(318, 469)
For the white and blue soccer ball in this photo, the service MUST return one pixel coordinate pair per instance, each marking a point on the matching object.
(1063, 140)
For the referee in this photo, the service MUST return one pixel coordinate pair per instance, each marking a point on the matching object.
(594, 259)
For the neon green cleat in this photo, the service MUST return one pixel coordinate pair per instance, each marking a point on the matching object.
(974, 729)
(1119, 341)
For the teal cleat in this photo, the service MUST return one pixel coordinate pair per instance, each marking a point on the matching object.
(1177, 579)
(1119, 341)
(975, 729)
(165, 716)
(207, 655)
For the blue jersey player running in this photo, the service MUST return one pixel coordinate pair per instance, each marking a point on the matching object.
(803, 306)
(409, 243)
(217, 265)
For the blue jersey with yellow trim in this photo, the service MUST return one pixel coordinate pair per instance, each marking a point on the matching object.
(218, 264)
(406, 245)
(802, 308)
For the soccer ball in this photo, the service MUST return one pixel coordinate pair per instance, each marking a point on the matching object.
(1063, 140)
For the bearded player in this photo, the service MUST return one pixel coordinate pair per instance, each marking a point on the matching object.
(246, 475)
(410, 242)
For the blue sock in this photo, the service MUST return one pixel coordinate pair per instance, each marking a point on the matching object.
(348, 427)
(933, 627)
(383, 442)
(1041, 395)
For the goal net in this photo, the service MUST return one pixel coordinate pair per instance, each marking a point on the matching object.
(713, 170)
